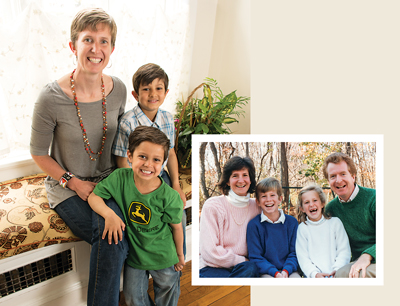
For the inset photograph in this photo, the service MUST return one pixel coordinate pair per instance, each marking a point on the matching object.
(308, 208)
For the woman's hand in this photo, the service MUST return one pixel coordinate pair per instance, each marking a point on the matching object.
(82, 188)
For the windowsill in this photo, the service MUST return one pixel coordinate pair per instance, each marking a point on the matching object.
(18, 165)
(12, 161)
(15, 156)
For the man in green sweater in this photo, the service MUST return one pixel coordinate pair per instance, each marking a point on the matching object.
(355, 207)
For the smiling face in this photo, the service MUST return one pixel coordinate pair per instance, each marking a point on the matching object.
(239, 182)
(311, 205)
(93, 49)
(146, 160)
(150, 97)
(340, 179)
(269, 202)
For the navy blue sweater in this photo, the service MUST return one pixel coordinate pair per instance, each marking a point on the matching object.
(272, 246)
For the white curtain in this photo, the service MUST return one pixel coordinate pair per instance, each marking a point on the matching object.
(34, 51)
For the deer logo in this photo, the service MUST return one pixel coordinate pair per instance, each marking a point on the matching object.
(139, 213)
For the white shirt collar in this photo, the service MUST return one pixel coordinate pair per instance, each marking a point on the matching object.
(353, 195)
(236, 200)
(281, 219)
(320, 221)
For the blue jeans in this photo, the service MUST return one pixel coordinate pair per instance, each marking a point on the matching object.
(106, 260)
(244, 269)
(167, 180)
(166, 283)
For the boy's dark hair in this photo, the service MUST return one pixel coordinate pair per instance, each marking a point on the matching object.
(151, 134)
(147, 74)
(234, 164)
(337, 158)
(269, 184)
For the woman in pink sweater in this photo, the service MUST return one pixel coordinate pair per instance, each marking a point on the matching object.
(223, 223)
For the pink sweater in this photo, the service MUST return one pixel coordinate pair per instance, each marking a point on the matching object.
(222, 240)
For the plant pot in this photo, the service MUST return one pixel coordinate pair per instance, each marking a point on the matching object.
(184, 161)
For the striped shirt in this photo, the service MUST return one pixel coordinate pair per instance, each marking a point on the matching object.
(134, 118)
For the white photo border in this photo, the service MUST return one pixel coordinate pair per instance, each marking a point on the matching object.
(377, 138)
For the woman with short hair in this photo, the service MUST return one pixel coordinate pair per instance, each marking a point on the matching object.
(77, 118)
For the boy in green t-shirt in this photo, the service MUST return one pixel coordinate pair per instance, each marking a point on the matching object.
(152, 211)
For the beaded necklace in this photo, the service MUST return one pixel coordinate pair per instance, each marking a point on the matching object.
(89, 151)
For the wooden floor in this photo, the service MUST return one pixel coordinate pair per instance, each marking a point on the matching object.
(206, 295)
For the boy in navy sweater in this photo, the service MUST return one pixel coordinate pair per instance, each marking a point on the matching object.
(271, 236)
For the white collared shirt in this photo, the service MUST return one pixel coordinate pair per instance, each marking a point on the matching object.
(281, 219)
(353, 195)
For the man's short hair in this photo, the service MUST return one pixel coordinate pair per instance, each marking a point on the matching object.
(151, 134)
(336, 158)
(147, 74)
(269, 184)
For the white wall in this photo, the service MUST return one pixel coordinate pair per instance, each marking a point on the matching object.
(221, 50)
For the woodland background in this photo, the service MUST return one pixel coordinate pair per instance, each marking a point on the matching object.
(295, 164)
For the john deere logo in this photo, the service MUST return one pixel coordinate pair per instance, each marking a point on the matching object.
(139, 213)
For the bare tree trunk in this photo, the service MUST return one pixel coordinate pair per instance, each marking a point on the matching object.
(348, 148)
(233, 150)
(247, 149)
(285, 173)
(216, 160)
(261, 165)
(202, 170)
(360, 165)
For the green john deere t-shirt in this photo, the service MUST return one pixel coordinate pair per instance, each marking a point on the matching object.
(151, 244)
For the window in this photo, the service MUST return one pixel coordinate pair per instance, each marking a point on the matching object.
(34, 51)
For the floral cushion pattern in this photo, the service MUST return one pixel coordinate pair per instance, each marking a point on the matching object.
(185, 181)
(26, 220)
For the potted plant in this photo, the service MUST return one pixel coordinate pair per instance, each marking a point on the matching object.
(207, 115)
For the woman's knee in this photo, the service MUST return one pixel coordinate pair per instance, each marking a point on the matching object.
(245, 269)
(76, 213)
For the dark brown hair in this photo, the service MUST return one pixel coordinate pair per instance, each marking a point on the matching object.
(151, 134)
(90, 18)
(337, 158)
(147, 74)
(234, 164)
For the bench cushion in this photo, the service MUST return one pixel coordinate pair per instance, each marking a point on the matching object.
(185, 182)
(26, 220)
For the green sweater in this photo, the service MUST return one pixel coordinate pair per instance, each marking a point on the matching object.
(358, 218)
